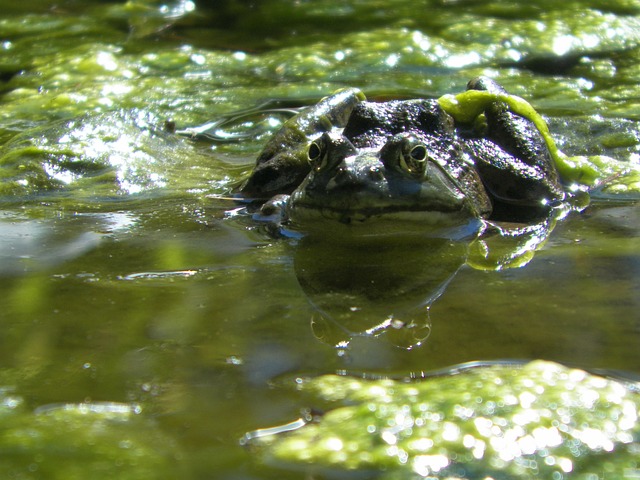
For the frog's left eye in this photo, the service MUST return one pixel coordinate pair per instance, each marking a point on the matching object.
(418, 153)
(405, 154)
(413, 158)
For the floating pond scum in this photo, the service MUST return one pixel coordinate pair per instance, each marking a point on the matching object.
(110, 440)
(538, 420)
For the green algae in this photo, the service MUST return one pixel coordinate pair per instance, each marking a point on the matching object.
(67, 441)
(104, 156)
(541, 420)
(619, 176)
(124, 152)
(87, 67)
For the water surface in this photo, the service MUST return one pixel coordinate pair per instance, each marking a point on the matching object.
(124, 280)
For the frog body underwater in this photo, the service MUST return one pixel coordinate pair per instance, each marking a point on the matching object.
(358, 162)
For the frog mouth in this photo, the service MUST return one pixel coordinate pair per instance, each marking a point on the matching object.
(347, 216)
(392, 222)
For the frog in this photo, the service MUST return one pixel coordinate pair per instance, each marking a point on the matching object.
(358, 162)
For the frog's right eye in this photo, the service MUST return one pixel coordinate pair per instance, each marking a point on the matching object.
(314, 153)
(317, 154)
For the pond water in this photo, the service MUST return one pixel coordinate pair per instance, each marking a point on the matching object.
(126, 284)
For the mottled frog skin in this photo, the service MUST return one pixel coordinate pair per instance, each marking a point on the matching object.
(357, 161)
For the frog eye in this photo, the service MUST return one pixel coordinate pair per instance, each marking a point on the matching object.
(405, 154)
(314, 153)
(418, 153)
(326, 153)
(317, 154)
(413, 159)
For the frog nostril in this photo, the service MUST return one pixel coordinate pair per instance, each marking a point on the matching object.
(346, 180)
(343, 176)
(376, 174)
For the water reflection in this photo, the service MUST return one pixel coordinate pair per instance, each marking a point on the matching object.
(373, 286)
(28, 245)
(374, 289)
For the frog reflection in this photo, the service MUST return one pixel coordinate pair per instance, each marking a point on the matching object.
(375, 289)
(371, 286)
